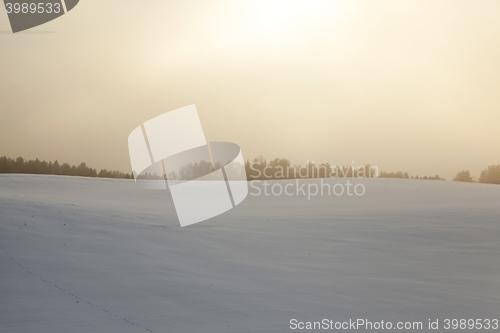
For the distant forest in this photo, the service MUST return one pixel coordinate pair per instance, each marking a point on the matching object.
(281, 168)
(258, 169)
(20, 165)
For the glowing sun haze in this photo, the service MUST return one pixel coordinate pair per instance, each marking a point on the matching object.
(404, 85)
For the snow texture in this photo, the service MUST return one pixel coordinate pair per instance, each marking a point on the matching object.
(99, 255)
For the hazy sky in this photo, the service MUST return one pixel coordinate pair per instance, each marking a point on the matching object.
(404, 85)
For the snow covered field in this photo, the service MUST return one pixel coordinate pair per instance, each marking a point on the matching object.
(98, 255)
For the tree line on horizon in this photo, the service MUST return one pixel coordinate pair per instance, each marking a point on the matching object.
(490, 175)
(20, 165)
(255, 171)
(258, 169)
(281, 168)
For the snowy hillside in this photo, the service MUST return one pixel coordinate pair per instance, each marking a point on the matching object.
(98, 255)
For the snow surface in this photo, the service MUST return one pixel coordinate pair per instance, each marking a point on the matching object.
(98, 255)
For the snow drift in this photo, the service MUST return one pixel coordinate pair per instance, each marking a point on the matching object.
(99, 255)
